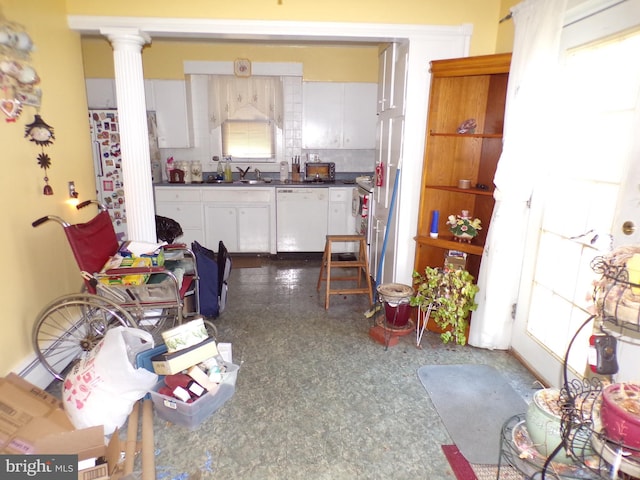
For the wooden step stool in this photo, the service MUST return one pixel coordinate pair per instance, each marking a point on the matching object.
(362, 264)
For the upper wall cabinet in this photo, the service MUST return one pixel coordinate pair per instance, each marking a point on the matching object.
(392, 68)
(168, 98)
(101, 93)
(172, 114)
(339, 115)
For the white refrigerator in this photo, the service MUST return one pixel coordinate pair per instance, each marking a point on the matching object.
(107, 158)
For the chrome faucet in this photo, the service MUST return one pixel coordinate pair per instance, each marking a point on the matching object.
(242, 172)
(258, 174)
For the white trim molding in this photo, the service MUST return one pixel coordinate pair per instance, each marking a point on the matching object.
(265, 29)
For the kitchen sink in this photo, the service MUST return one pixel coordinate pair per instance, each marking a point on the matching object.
(253, 182)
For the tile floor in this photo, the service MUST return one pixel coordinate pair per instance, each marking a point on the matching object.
(316, 397)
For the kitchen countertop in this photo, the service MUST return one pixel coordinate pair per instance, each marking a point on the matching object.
(272, 183)
(343, 180)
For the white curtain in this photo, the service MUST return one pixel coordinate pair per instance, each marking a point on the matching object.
(229, 94)
(528, 120)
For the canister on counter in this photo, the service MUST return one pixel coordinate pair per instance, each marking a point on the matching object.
(186, 168)
(196, 172)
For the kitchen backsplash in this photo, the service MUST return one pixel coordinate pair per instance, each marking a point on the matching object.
(206, 143)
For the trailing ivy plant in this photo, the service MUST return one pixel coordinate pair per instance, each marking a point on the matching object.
(452, 294)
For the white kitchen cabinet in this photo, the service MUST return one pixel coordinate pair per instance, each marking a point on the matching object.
(392, 77)
(359, 116)
(222, 222)
(341, 220)
(101, 93)
(254, 228)
(386, 61)
(242, 229)
(184, 205)
(243, 218)
(400, 77)
(339, 115)
(172, 114)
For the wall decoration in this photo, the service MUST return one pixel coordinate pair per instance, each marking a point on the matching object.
(18, 88)
(242, 67)
(18, 79)
(41, 134)
(45, 162)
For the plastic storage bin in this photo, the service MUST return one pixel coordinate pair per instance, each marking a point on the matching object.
(191, 415)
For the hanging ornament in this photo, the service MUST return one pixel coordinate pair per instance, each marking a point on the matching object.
(39, 132)
(11, 108)
(45, 162)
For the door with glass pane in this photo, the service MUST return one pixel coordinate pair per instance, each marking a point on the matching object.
(579, 212)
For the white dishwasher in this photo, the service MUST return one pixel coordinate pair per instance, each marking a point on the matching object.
(301, 217)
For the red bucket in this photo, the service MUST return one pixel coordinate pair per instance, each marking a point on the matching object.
(397, 315)
(396, 298)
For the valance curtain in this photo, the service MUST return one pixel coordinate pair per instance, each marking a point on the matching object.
(228, 94)
(530, 99)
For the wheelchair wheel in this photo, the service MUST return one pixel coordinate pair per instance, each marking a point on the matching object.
(212, 330)
(72, 325)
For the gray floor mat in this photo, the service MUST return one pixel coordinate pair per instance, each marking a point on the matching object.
(473, 401)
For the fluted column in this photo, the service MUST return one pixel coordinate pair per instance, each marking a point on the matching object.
(134, 134)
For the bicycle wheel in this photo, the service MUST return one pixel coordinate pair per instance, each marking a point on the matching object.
(72, 325)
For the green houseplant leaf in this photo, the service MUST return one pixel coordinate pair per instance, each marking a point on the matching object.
(452, 293)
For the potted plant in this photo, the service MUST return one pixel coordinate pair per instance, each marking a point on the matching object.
(463, 227)
(451, 293)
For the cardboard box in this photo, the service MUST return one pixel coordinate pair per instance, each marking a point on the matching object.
(27, 414)
(34, 422)
(455, 258)
(170, 363)
(185, 335)
(86, 443)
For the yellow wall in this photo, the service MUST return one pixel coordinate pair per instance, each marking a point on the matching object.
(504, 42)
(38, 265)
(164, 58)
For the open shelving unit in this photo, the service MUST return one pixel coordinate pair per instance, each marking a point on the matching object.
(461, 89)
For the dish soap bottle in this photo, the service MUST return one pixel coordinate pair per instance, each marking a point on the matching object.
(227, 172)
(220, 175)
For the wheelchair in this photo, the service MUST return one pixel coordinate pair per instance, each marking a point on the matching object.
(152, 297)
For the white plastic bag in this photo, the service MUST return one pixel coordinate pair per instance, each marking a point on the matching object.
(102, 388)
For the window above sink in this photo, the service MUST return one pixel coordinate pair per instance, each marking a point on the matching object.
(248, 139)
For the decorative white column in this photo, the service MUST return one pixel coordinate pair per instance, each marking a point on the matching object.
(134, 133)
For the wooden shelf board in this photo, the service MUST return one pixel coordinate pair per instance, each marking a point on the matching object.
(468, 191)
(447, 242)
(466, 135)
